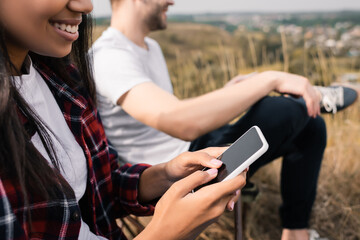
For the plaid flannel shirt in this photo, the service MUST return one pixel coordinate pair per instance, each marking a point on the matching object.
(111, 191)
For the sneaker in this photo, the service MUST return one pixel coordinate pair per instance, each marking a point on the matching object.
(336, 98)
(314, 235)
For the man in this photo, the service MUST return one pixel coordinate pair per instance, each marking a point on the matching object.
(147, 123)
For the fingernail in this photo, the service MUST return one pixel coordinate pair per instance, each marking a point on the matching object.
(216, 162)
(237, 193)
(212, 171)
(232, 206)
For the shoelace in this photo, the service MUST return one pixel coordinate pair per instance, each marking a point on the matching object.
(331, 98)
(329, 105)
(314, 235)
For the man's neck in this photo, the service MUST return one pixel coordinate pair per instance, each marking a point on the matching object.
(130, 25)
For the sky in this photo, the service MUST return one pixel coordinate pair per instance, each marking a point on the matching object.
(102, 7)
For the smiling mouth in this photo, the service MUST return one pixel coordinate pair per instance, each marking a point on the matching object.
(66, 27)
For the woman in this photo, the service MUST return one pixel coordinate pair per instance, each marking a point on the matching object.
(59, 178)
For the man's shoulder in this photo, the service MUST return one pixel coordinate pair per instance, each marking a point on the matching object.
(110, 39)
(152, 43)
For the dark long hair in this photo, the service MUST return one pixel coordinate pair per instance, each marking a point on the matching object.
(19, 159)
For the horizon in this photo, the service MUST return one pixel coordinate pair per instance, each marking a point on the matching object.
(258, 12)
(188, 7)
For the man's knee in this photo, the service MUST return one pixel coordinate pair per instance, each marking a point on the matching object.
(317, 130)
(281, 112)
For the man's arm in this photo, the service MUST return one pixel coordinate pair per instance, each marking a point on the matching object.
(191, 118)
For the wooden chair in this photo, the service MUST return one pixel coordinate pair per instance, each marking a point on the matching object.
(239, 218)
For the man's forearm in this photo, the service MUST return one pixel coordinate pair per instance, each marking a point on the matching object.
(192, 118)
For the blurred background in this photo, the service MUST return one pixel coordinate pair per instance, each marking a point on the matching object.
(209, 42)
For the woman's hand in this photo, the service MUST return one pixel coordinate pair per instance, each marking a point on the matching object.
(189, 162)
(180, 214)
(156, 180)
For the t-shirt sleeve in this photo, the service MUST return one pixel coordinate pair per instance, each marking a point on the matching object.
(116, 71)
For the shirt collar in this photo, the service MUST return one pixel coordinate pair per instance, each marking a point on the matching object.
(59, 88)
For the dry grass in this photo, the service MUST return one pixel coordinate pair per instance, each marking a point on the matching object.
(202, 58)
(336, 213)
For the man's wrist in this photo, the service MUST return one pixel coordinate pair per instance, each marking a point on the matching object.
(271, 79)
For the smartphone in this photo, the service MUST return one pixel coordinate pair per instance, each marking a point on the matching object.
(241, 154)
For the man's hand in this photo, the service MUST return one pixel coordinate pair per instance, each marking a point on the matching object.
(296, 85)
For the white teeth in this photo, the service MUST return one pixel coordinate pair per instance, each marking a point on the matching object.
(68, 28)
(63, 27)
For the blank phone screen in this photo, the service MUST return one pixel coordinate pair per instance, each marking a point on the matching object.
(240, 151)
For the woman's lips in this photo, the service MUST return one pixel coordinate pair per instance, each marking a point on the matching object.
(68, 29)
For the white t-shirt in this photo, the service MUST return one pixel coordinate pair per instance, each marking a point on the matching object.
(71, 156)
(119, 65)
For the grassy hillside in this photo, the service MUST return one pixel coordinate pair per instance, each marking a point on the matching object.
(202, 58)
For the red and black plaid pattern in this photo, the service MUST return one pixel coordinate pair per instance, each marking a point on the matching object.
(111, 190)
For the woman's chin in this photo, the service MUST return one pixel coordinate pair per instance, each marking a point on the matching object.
(56, 54)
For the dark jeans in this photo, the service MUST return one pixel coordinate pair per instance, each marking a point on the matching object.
(291, 134)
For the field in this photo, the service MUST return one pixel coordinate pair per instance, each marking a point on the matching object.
(202, 58)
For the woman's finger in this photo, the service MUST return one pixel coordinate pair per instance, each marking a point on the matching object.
(228, 187)
(182, 187)
(233, 200)
(214, 151)
(207, 157)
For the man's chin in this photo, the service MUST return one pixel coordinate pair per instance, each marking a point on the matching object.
(157, 23)
(163, 24)
(163, 27)
(159, 27)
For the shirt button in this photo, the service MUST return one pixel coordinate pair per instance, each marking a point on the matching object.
(75, 216)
